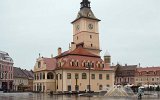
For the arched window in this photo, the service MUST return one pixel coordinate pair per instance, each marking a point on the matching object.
(50, 75)
(92, 64)
(77, 63)
(84, 76)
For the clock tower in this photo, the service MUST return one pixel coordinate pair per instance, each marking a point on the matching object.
(85, 29)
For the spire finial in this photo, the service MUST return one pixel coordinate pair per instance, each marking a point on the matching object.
(85, 4)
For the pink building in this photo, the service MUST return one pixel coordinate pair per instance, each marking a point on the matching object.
(6, 71)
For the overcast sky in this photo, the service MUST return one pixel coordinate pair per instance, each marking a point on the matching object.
(129, 30)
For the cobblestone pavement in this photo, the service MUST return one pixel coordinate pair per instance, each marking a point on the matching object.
(41, 96)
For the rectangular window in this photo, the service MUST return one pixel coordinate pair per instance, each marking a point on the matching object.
(107, 77)
(76, 76)
(43, 75)
(40, 76)
(60, 76)
(152, 79)
(100, 76)
(93, 76)
(68, 75)
(11, 76)
(34, 76)
(90, 36)
(39, 64)
(84, 76)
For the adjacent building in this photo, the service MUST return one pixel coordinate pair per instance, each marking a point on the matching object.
(125, 75)
(30, 76)
(147, 76)
(6, 71)
(80, 68)
(23, 80)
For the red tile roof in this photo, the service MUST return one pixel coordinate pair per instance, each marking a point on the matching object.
(81, 55)
(50, 63)
(148, 69)
(80, 51)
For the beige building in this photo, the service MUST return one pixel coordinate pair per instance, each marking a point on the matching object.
(86, 29)
(147, 76)
(22, 80)
(44, 75)
(81, 67)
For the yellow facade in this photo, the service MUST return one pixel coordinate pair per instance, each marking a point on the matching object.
(82, 83)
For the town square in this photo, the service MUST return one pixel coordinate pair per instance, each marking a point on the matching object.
(85, 65)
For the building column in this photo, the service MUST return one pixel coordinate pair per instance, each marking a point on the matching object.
(0, 84)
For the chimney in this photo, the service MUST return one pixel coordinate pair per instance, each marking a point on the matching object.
(80, 45)
(59, 50)
(73, 46)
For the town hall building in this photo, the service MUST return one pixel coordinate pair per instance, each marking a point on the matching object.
(80, 68)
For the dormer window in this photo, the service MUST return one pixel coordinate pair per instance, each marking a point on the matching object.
(77, 63)
(102, 65)
(72, 64)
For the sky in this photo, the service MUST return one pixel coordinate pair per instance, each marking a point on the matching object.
(129, 29)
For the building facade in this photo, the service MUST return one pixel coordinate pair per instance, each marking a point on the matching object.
(23, 80)
(86, 29)
(125, 75)
(82, 71)
(147, 76)
(6, 71)
(80, 68)
(44, 75)
(30, 76)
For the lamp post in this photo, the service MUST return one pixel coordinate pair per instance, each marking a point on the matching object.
(76, 77)
(89, 69)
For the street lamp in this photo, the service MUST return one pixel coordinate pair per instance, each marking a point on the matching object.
(76, 77)
(89, 68)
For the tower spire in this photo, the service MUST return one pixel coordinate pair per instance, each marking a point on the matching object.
(85, 4)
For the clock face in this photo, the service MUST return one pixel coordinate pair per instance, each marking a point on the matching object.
(90, 26)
